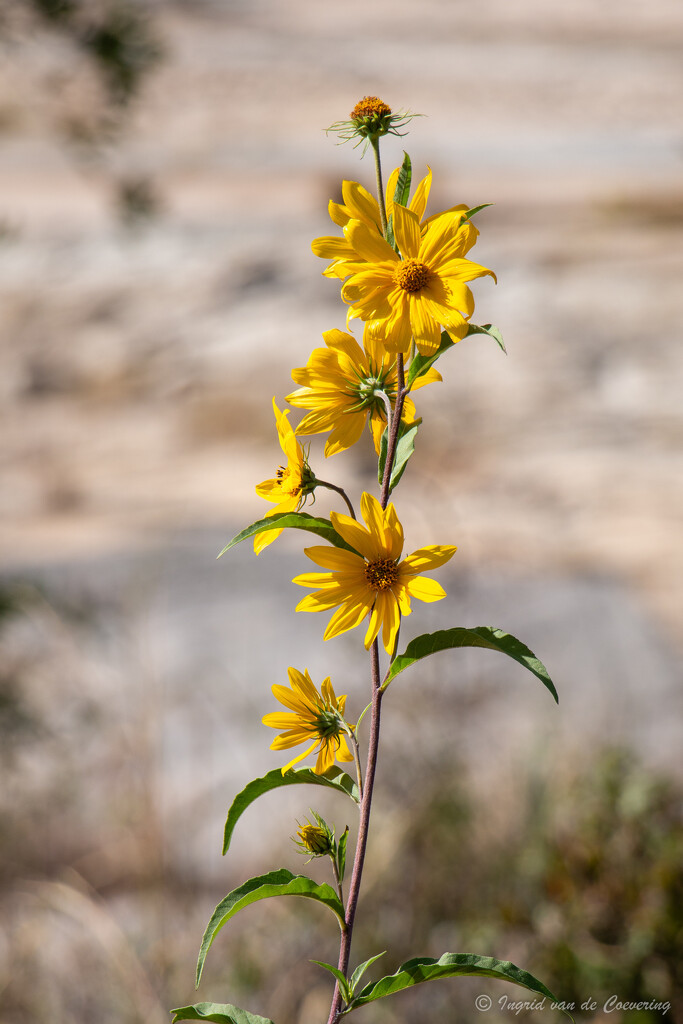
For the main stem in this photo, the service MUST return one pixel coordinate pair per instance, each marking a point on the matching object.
(373, 747)
(377, 692)
(363, 828)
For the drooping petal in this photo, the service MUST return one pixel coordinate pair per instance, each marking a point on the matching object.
(391, 620)
(348, 430)
(349, 616)
(426, 331)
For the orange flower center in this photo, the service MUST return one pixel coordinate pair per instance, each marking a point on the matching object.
(382, 574)
(411, 275)
(370, 106)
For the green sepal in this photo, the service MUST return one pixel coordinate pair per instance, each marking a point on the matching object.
(334, 778)
(478, 636)
(475, 209)
(405, 447)
(294, 520)
(341, 853)
(221, 1013)
(362, 968)
(450, 965)
(344, 987)
(276, 883)
(401, 195)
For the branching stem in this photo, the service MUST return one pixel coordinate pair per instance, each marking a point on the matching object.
(339, 490)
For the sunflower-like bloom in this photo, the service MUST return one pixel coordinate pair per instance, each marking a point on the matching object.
(360, 205)
(374, 582)
(316, 716)
(292, 484)
(339, 387)
(414, 296)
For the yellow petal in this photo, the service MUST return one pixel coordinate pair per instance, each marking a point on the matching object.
(391, 621)
(354, 534)
(429, 557)
(406, 231)
(425, 589)
(369, 244)
(362, 205)
(418, 203)
(426, 331)
(348, 616)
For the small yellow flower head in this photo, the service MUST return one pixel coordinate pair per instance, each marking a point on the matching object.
(314, 840)
(289, 489)
(369, 120)
(315, 717)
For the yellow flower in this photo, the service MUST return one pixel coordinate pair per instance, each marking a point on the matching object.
(360, 205)
(292, 484)
(413, 296)
(339, 384)
(316, 715)
(374, 582)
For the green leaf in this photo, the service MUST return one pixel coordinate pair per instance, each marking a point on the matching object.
(421, 364)
(492, 332)
(402, 190)
(479, 636)
(222, 1013)
(450, 965)
(405, 447)
(333, 778)
(470, 213)
(343, 981)
(362, 968)
(401, 195)
(341, 853)
(294, 520)
(276, 883)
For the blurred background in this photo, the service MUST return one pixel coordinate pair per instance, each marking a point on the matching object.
(163, 169)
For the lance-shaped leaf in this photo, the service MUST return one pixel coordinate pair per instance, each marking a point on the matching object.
(450, 965)
(492, 332)
(342, 980)
(421, 364)
(475, 210)
(405, 447)
(479, 636)
(276, 883)
(333, 778)
(341, 853)
(293, 520)
(221, 1013)
(401, 195)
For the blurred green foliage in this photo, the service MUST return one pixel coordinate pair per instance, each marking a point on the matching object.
(584, 884)
(117, 36)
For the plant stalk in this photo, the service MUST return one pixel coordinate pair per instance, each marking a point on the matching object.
(363, 828)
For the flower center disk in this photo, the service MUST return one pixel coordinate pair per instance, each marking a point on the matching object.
(411, 275)
(381, 575)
